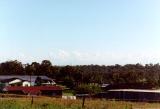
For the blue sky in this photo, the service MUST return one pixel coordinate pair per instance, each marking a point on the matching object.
(80, 31)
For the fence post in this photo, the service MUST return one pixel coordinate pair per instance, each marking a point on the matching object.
(83, 101)
(32, 101)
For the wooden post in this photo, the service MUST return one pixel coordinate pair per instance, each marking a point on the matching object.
(83, 101)
(32, 101)
(30, 80)
(131, 107)
(83, 96)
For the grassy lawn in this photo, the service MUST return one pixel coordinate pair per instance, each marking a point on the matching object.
(57, 103)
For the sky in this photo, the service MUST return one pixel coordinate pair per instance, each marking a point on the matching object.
(78, 32)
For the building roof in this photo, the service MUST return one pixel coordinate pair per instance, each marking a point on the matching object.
(24, 90)
(22, 77)
(135, 90)
(7, 80)
(15, 81)
(33, 87)
(104, 85)
(32, 90)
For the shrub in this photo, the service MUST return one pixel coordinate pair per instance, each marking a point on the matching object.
(88, 89)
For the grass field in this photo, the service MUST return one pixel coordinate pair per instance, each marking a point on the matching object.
(57, 103)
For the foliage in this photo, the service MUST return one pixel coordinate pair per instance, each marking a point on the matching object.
(73, 76)
(69, 82)
(38, 81)
(88, 89)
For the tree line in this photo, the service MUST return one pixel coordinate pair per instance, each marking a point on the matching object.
(71, 76)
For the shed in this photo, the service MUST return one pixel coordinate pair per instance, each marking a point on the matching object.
(134, 94)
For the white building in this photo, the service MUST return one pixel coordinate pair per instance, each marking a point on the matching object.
(26, 80)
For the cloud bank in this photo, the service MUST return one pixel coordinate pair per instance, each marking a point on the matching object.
(64, 57)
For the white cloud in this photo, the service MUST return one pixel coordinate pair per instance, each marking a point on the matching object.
(63, 54)
(64, 57)
(77, 57)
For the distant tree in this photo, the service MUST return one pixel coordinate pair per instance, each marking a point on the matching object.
(38, 81)
(12, 68)
(85, 74)
(36, 68)
(46, 63)
(45, 67)
(69, 82)
(88, 89)
(29, 69)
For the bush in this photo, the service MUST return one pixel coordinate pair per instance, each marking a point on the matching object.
(88, 89)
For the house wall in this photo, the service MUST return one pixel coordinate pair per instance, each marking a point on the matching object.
(52, 93)
(26, 83)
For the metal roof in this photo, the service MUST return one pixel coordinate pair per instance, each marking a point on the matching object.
(31, 90)
(135, 90)
(23, 77)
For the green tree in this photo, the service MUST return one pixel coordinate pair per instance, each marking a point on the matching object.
(88, 89)
(38, 81)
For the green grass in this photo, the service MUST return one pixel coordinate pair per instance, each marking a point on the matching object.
(68, 92)
(57, 103)
(38, 103)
